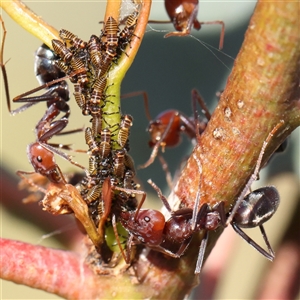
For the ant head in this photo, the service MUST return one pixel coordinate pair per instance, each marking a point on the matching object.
(41, 159)
(147, 226)
(165, 128)
(182, 13)
(43, 162)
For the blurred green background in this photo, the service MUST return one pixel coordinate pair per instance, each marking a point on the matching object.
(167, 69)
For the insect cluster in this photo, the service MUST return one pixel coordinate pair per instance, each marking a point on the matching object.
(109, 186)
(105, 197)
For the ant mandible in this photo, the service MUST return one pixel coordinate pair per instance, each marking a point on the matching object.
(149, 226)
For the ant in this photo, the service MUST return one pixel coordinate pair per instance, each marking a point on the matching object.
(41, 153)
(60, 196)
(149, 227)
(166, 128)
(183, 15)
(49, 76)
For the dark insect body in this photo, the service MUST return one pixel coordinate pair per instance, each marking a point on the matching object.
(49, 77)
(166, 128)
(150, 228)
(183, 15)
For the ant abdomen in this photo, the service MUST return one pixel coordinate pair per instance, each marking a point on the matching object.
(257, 207)
(45, 67)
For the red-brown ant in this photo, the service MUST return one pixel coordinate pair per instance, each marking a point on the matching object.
(49, 75)
(166, 128)
(40, 153)
(149, 226)
(183, 15)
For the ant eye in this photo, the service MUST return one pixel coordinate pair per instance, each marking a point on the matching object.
(39, 159)
(147, 219)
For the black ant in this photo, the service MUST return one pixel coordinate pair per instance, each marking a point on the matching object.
(50, 77)
(149, 227)
(183, 15)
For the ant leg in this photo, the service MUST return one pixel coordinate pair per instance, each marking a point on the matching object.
(67, 147)
(55, 127)
(4, 73)
(201, 253)
(126, 257)
(71, 131)
(152, 156)
(199, 125)
(161, 196)
(222, 31)
(146, 101)
(33, 100)
(220, 208)
(47, 85)
(270, 256)
(255, 173)
(263, 233)
(198, 196)
(129, 244)
(184, 32)
(183, 247)
(159, 22)
(29, 181)
(166, 170)
(63, 155)
(204, 109)
(157, 145)
(130, 191)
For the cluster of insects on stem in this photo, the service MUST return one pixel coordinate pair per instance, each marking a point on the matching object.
(105, 197)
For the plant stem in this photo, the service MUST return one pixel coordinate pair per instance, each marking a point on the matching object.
(34, 24)
(112, 113)
(262, 89)
(59, 272)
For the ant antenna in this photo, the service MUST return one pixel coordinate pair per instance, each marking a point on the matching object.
(255, 173)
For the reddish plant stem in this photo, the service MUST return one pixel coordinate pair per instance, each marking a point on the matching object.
(59, 272)
(43, 268)
(262, 89)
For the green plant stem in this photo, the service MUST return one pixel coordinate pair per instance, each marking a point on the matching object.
(26, 18)
(111, 112)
